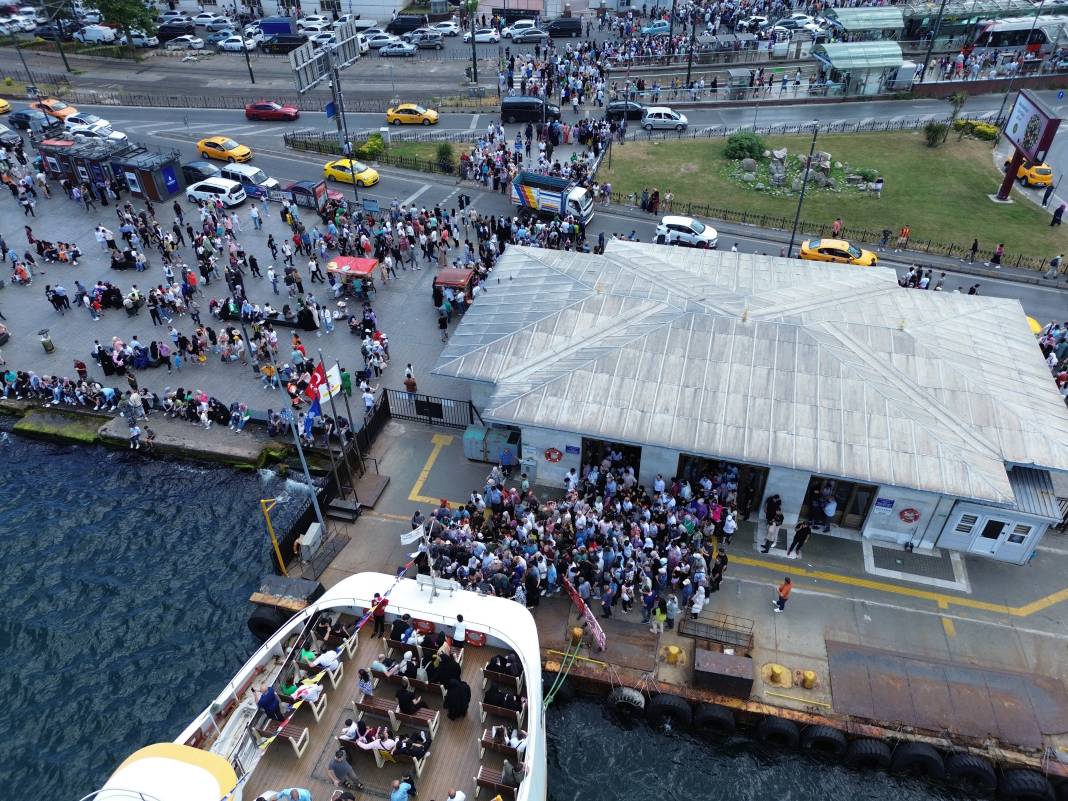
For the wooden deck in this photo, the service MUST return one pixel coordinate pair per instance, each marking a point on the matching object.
(454, 754)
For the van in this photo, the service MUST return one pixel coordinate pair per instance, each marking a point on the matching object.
(403, 23)
(252, 179)
(528, 109)
(564, 26)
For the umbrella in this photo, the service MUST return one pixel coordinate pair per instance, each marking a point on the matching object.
(1035, 325)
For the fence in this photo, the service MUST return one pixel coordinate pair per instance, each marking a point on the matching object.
(327, 144)
(430, 409)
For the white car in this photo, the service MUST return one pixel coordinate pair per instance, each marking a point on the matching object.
(90, 17)
(662, 118)
(484, 36)
(175, 16)
(317, 21)
(231, 193)
(519, 26)
(686, 231)
(139, 38)
(207, 17)
(324, 39)
(98, 34)
(101, 132)
(76, 122)
(186, 42)
(254, 33)
(313, 28)
(369, 32)
(235, 44)
(361, 40)
(25, 22)
(380, 40)
(447, 28)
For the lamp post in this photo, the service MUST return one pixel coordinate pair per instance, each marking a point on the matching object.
(689, 58)
(804, 186)
(471, 7)
(930, 44)
(266, 505)
(248, 60)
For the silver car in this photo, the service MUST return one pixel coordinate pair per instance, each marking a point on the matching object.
(662, 118)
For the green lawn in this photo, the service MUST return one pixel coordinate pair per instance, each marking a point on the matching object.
(940, 192)
(424, 150)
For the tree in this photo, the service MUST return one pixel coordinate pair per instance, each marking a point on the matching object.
(958, 99)
(128, 14)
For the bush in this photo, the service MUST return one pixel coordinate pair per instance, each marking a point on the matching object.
(980, 130)
(868, 175)
(935, 132)
(445, 158)
(374, 147)
(744, 145)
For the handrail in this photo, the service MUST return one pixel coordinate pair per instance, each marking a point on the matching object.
(120, 793)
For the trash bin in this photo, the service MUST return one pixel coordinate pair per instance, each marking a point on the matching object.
(46, 341)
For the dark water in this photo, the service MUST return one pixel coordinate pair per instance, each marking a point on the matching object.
(123, 600)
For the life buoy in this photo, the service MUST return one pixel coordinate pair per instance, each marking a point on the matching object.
(476, 638)
(626, 701)
(265, 621)
(971, 772)
(824, 740)
(1024, 785)
(713, 720)
(669, 711)
(918, 759)
(778, 732)
(868, 754)
(553, 455)
(423, 626)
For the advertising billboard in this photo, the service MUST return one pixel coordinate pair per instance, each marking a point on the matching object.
(1031, 126)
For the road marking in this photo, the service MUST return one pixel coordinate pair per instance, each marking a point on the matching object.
(950, 629)
(412, 197)
(385, 516)
(959, 584)
(474, 122)
(440, 441)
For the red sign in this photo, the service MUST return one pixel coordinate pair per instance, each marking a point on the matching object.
(909, 515)
(553, 455)
(592, 622)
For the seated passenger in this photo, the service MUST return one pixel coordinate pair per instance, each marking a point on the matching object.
(408, 701)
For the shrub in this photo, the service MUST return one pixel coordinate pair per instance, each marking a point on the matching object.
(869, 175)
(445, 158)
(744, 145)
(980, 130)
(374, 147)
(935, 132)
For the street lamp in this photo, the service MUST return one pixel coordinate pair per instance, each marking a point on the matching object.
(804, 186)
(471, 7)
(689, 58)
(266, 505)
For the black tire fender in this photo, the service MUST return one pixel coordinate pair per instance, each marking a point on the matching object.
(918, 759)
(265, 621)
(714, 720)
(971, 772)
(825, 740)
(626, 701)
(778, 732)
(669, 710)
(1024, 785)
(868, 754)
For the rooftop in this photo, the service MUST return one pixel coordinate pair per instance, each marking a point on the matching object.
(820, 367)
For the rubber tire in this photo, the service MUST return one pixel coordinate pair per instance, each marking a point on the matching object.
(778, 732)
(918, 759)
(426, 122)
(665, 709)
(1024, 785)
(564, 693)
(648, 127)
(971, 773)
(825, 741)
(627, 701)
(231, 159)
(713, 720)
(868, 754)
(265, 621)
(395, 122)
(680, 128)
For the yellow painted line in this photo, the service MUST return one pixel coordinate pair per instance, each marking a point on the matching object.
(799, 700)
(941, 599)
(440, 441)
(583, 658)
(386, 516)
(947, 624)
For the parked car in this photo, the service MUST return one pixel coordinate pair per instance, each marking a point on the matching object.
(235, 44)
(52, 31)
(324, 39)
(313, 28)
(207, 17)
(185, 43)
(398, 49)
(483, 36)
(27, 119)
(171, 16)
(139, 39)
(282, 43)
(527, 109)
(95, 34)
(4, 335)
(90, 17)
(174, 30)
(447, 28)
(9, 138)
(100, 132)
(660, 26)
(686, 231)
(564, 26)
(342, 170)
(220, 24)
(663, 118)
(312, 20)
(402, 23)
(231, 193)
(536, 35)
(223, 148)
(54, 108)
(196, 171)
(1032, 174)
(518, 26)
(76, 122)
(426, 40)
(218, 36)
(270, 110)
(752, 24)
(380, 40)
(411, 114)
(624, 109)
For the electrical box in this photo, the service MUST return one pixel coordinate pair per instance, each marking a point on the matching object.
(310, 542)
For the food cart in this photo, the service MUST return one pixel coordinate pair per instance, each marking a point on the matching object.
(357, 275)
(456, 279)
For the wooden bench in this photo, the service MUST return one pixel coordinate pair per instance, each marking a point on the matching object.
(514, 683)
(423, 719)
(318, 708)
(492, 781)
(383, 758)
(415, 684)
(378, 707)
(502, 712)
(489, 744)
(297, 736)
(401, 647)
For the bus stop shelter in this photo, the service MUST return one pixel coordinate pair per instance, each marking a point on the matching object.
(875, 22)
(862, 68)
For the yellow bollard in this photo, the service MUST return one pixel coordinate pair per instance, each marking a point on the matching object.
(777, 674)
(808, 679)
(673, 654)
(576, 635)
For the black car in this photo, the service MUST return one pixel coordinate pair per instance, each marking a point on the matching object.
(172, 30)
(52, 32)
(565, 26)
(26, 118)
(9, 138)
(403, 23)
(196, 171)
(283, 43)
(620, 109)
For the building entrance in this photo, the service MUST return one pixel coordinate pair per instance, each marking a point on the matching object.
(746, 481)
(853, 501)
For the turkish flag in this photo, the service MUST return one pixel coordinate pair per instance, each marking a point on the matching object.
(317, 378)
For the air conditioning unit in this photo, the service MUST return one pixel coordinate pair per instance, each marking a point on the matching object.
(310, 542)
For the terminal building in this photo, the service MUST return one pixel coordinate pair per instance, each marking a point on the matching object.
(931, 416)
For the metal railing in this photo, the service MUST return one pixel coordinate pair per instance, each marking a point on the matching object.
(430, 409)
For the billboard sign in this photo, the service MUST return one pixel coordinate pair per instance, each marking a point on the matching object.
(1031, 126)
(309, 65)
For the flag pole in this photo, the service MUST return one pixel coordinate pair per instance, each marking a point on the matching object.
(333, 408)
(352, 423)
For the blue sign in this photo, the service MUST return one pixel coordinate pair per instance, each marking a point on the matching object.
(370, 205)
(573, 449)
(331, 109)
(1060, 95)
(170, 179)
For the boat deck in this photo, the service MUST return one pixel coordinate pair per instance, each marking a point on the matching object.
(454, 755)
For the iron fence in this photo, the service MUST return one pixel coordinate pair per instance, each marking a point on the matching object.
(327, 144)
(430, 409)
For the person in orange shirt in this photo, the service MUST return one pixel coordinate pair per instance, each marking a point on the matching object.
(784, 594)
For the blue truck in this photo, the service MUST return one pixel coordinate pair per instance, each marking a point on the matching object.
(547, 196)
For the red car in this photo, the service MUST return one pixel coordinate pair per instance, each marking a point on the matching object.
(269, 110)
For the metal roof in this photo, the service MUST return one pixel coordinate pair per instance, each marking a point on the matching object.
(872, 18)
(882, 54)
(826, 368)
(1034, 492)
(972, 9)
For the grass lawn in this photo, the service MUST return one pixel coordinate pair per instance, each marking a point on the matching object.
(940, 192)
(425, 150)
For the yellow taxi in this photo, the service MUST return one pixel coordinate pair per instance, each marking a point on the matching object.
(5, 107)
(837, 250)
(223, 148)
(56, 109)
(343, 169)
(1033, 174)
(411, 114)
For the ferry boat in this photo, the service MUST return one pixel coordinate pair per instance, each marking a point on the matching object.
(233, 751)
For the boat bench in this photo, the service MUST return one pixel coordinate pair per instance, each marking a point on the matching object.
(378, 707)
(488, 744)
(416, 684)
(423, 719)
(492, 781)
(297, 736)
(318, 709)
(514, 683)
(382, 758)
(502, 712)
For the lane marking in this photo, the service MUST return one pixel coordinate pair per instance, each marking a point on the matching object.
(950, 629)
(441, 441)
(412, 197)
(474, 122)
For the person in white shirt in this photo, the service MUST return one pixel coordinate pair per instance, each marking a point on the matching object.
(328, 660)
(459, 632)
(456, 795)
(349, 731)
(309, 692)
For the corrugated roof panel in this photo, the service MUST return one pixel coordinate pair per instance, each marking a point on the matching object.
(1033, 490)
